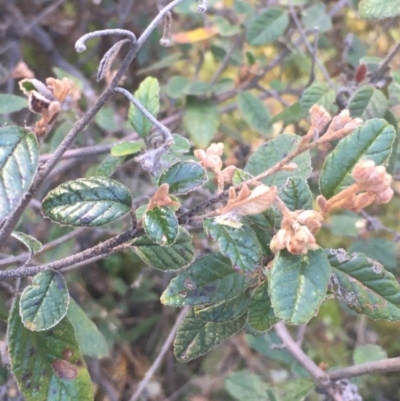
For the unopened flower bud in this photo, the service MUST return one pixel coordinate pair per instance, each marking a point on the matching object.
(363, 170)
(385, 196)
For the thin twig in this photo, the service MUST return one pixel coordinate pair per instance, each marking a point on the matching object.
(376, 75)
(149, 374)
(383, 366)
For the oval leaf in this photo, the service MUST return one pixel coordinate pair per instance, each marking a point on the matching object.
(364, 285)
(148, 95)
(296, 194)
(321, 94)
(273, 152)
(19, 156)
(224, 311)
(368, 102)
(195, 336)
(11, 103)
(201, 120)
(379, 8)
(298, 285)
(166, 258)
(48, 365)
(209, 280)
(91, 341)
(183, 177)
(267, 26)
(373, 140)
(127, 148)
(261, 316)
(45, 302)
(161, 225)
(87, 202)
(31, 243)
(240, 245)
(245, 385)
(254, 112)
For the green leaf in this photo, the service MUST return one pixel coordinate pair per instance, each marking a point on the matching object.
(176, 85)
(298, 285)
(127, 148)
(48, 365)
(261, 315)
(315, 17)
(319, 93)
(392, 120)
(267, 26)
(368, 102)
(19, 157)
(254, 112)
(364, 285)
(148, 96)
(296, 389)
(105, 119)
(166, 258)
(161, 225)
(108, 166)
(368, 353)
(379, 8)
(209, 280)
(296, 194)
(240, 245)
(224, 311)
(89, 202)
(379, 249)
(373, 140)
(91, 341)
(245, 385)
(201, 120)
(12, 103)
(181, 145)
(183, 177)
(273, 152)
(44, 302)
(31, 243)
(289, 115)
(195, 336)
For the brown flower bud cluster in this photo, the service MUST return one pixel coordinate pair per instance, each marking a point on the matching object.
(372, 185)
(297, 231)
(211, 160)
(246, 203)
(45, 100)
(162, 198)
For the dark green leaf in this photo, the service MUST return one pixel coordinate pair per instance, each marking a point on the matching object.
(273, 152)
(91, 341)
(127, 148)
(267, 26)
(254, 112)
(183, 177)
(11, 103)
(201, 120)
(368, 353)
(31, 243)
(364, 285)
(296, 194)
(261, 316)
(87, 202)
(290, 115)
(161, 225)
(373, 140)
(321, 94)
(19, 156)
(48, 365)
(195, 336)
(298, 285)
(209, 280)
(392, 120)
(379, 8)
(240, 245)
(245, 385)
(368, 102)
(177, 256)
(181, 145)
(44, 302)
(148, 96)
(224, 311)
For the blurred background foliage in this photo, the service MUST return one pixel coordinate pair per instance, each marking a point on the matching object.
(224, 79)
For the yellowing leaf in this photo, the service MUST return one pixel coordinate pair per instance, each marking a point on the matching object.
(195, 35)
